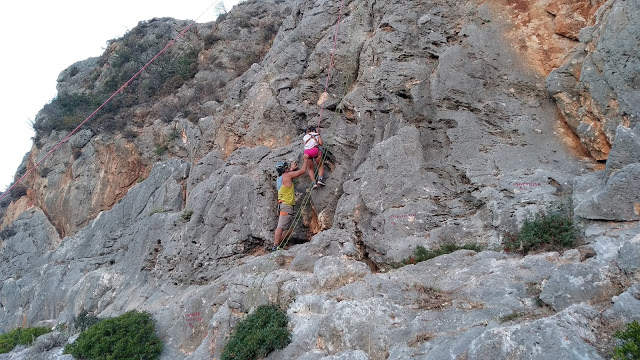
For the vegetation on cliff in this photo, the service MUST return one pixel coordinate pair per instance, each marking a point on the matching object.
(544, 231)
(20, 336)
(258, 334)
(129, 336)
(629, 348)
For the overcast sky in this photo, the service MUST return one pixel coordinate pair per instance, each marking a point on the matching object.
(41, 38)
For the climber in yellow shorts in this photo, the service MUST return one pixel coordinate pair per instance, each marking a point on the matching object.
(286, 197)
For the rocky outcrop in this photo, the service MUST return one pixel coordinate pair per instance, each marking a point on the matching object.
(437, 134)
(612, 194)
(597, 89)
(89, 174)
(96, 166)
(464, 303)
(570, 17)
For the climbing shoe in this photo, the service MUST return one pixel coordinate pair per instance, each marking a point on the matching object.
(320, 182)
(314, 185)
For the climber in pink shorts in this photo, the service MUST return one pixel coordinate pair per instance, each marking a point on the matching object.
(312, 142)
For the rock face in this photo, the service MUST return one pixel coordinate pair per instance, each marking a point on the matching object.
(439, 130)
(612, 194)
(598, 88)
(90, 174)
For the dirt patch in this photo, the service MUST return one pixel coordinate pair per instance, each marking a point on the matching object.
(604, 334)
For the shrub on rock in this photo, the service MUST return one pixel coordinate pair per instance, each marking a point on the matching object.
(258, 334)
(129, 336)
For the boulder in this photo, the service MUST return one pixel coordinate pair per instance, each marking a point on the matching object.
(618, 199)
(541, 339)
(574, 284)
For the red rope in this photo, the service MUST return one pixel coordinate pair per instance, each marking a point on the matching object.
(333, 51)
(98, 109)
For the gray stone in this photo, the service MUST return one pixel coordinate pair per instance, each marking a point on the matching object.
(625, 306)
(304, 261)
(625, 150)
(348, 355)
(540, 339)
(576, 283)
(618, 199)
(606, 248)
(424, 347)
(72, 79)
(312, 355)
(606, 94)
(204, 168)
(629, 256)
(81, 138)
(332, 272)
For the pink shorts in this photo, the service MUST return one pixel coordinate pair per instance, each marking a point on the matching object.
(312, 153)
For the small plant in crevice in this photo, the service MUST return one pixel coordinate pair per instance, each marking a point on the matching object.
(186, 215)
(7, 232)
(534, 290)
(629, 342)
(420, 338)
(157, 209)
(161, 149)
(194, 118)
(509, 317)
(261, 332)
(44, 172)
(86, 320)
(544, 231)
(422, 254)
(174, 134)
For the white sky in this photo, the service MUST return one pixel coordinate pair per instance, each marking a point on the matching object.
(40, 38)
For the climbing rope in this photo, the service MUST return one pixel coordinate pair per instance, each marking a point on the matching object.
(268, 267)
(333, 51)
(66, 138)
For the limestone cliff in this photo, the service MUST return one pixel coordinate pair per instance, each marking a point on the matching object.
(445, 122)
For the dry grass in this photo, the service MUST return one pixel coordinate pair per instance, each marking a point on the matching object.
(420, 338)
(430, 299)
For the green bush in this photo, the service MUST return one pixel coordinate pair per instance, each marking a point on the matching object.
(86, 320)
(65, 112)
(174, 71)
(258, 334)
(186, 214)
(129, 336)
(162, 77)
(544, 231)
(422, 254)
(20, 336)
(629, 349)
